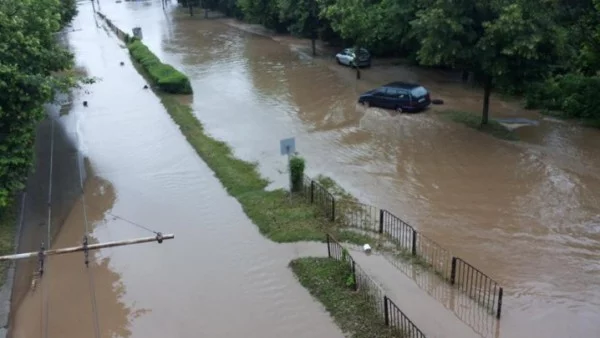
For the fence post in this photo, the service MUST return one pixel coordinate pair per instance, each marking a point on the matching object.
(328, 246)
(312, 191)
(500, 293)
(386, 312)
(381, 212)
(453, 272)
(354, 275)
(414, 242)
(332, 209)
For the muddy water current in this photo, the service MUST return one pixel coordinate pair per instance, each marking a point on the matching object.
(218, 278)
(526, 213)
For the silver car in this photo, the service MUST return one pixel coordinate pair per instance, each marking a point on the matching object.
(348, 57)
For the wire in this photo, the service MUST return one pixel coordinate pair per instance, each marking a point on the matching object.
(90, 275)
(132, 222)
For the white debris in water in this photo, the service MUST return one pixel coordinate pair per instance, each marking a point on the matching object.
(367, 248)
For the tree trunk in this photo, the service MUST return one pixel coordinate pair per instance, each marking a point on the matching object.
(465, 76)
(487, 90)
(313, 42)
(190, 6)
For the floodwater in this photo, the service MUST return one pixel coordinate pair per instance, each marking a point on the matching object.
(525, 213)
(218, 278)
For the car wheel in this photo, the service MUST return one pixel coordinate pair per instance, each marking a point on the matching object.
(398, 109)
(339, 62)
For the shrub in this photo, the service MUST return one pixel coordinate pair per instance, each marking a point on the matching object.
(167, 78)
(297, 173)
(571, 96)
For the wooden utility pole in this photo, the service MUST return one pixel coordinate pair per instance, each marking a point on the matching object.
(85, 247)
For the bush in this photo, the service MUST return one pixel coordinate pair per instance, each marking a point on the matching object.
(167, 78)
(571, 96)
(297, 173)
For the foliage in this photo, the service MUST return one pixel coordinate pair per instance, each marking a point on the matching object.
(8, 225)
(499, 41)
(572, 95)
(326, 279)
(264, 12)
(297, 165)
(166, 77)
(30, 58)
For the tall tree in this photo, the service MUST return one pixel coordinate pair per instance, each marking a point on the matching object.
(29, 58)
(498, 40)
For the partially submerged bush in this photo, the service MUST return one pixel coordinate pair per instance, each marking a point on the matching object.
(167, 78)
(297, 166)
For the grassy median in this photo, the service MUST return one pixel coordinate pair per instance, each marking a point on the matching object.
(471, 120)
(326, 279)
(8, 222)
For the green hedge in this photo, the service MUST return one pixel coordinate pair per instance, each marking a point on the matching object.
(167, 78)
(569, 96)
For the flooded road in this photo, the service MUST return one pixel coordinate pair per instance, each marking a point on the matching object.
(526, 213)
(218, 278)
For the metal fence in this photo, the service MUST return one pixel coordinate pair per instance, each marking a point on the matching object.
(390, 314)
(315, 193)
(365, 217)
(477, 285)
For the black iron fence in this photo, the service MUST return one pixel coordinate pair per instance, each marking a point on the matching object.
(477, 285)
(390, 314)
(467, 278)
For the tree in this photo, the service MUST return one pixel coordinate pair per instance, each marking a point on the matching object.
(499, 40)
(302, 16)
(29, 58)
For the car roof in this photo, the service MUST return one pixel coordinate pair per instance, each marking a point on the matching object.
(403, 85)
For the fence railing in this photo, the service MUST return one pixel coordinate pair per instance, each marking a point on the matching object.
(390, 314)
(477, 285)
(455, 270)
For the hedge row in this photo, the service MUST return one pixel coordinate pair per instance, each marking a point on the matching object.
(569, 96)
(166, 77)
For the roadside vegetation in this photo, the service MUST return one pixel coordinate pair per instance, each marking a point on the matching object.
(327, 280)
(471, 120)
(8, 227)
(33, 67)
(546, 51)
(164, 76)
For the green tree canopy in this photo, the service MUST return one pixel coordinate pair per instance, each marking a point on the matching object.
(499, 40)
(29, 58)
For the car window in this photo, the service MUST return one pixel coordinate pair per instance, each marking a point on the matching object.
(380, 92)
(419, 91)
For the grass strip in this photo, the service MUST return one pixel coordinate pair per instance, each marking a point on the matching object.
(471, 120)
(276, 216)
(326, 280)
(8, 223)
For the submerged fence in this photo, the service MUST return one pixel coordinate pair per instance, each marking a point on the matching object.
(390, 314)
(455, 270)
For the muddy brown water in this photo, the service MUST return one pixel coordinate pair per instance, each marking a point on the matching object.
(218, 278)
(526, 213)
